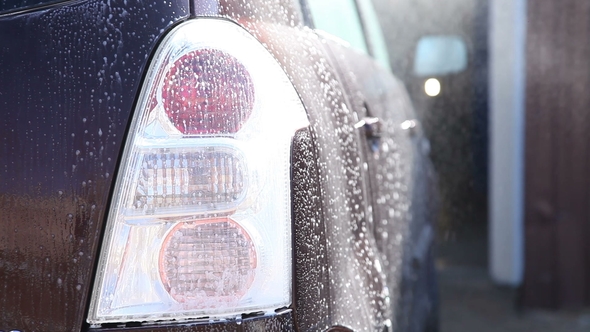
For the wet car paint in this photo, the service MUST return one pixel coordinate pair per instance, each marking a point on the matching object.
(69, 77)
(337, 221)
(401, 180)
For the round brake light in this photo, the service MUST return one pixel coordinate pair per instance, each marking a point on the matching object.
(208, 91)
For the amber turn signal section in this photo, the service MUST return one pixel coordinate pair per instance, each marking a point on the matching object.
(205, 262)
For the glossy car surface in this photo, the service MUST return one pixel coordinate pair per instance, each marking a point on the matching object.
(71, 74)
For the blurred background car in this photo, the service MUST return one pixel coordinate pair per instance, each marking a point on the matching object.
(506, 118)
(440, 51)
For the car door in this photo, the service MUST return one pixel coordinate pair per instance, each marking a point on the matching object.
(395, 157)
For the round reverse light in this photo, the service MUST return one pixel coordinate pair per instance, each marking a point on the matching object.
(207, 91)
(207, 263)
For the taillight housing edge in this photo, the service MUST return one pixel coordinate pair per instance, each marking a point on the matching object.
(199, 224)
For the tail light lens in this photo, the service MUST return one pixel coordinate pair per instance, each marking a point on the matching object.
(207, 92)
(208, 261)
(199, 224)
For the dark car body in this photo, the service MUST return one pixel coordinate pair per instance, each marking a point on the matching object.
(361, 181)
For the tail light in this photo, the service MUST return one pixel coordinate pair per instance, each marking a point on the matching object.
(199, 224)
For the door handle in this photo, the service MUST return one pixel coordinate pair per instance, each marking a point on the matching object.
(372, 127)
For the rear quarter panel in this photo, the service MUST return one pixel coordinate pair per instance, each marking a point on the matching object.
(68, 82)
(336, 282)
(401, 178)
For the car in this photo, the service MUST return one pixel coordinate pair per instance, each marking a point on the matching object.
(209, 165)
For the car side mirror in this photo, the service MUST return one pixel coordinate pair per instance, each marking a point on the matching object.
(440, 55)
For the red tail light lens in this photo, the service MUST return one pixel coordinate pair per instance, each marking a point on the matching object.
(208, 91)
(207, 261)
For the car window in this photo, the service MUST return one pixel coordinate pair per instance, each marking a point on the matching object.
(339, 18)
(374, 33)
(440, 55)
